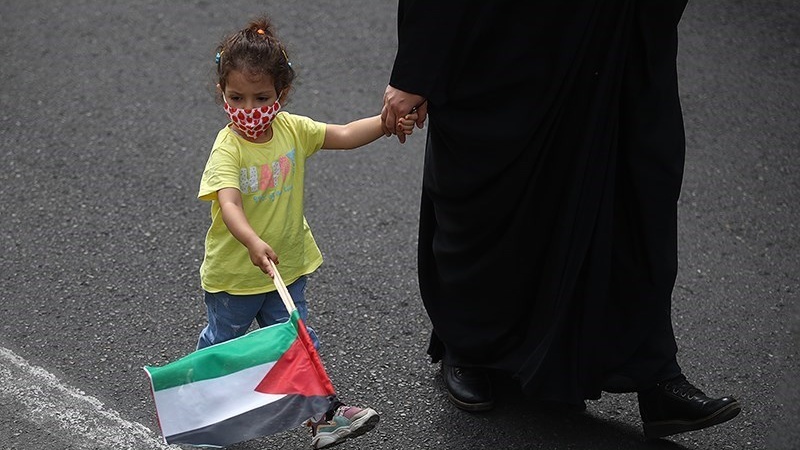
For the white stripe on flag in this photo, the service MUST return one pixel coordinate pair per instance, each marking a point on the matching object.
(202, 403)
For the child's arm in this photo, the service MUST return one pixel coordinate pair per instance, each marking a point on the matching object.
(230, 202)
(362, 131)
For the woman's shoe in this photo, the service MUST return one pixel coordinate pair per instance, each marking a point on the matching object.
(676, 406)
(468, 388)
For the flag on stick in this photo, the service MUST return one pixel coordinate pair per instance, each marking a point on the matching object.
(264, 382)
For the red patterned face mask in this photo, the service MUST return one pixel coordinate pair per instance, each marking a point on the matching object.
(252, 122)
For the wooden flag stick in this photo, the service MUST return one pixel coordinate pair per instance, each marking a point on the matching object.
(282, 290)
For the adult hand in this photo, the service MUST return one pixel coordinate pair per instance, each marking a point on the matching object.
(396, 105)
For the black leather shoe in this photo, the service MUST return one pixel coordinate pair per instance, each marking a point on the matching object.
(675, 406)
(468, 388)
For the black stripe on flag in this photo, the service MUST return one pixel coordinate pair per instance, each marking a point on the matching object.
(281, 415)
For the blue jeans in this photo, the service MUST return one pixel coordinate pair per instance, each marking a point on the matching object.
(230, 316)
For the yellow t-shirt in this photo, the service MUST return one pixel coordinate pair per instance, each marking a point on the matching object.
(270, 177)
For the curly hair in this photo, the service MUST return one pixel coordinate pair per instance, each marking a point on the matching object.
(256, 51)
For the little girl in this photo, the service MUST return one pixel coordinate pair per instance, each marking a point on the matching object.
(254, 180)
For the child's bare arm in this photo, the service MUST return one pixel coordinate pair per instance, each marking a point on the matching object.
(230, 202)
(362, 131)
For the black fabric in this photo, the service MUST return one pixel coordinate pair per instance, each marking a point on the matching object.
(548, 237)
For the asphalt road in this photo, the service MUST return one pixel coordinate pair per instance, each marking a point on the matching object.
(107, 116)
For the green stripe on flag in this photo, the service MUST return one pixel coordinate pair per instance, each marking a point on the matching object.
(260, 346)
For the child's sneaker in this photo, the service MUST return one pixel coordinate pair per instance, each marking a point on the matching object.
(347, 422)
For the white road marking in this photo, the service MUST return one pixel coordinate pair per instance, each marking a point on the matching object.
(83, 419)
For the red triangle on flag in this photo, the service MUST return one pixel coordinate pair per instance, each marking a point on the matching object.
(296, 373)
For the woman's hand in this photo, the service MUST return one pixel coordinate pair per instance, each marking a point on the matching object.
(397, 104)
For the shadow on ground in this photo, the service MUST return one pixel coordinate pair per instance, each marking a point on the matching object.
(518, 423)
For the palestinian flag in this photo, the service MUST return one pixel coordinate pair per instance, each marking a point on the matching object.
(264, 382)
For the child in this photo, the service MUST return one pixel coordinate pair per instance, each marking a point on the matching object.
(254, 180)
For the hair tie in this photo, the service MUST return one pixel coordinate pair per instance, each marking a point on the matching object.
(218, 57)
(260, 31)
(286, 57)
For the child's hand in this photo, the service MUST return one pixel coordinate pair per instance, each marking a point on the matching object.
(260, 254)
(405, 126)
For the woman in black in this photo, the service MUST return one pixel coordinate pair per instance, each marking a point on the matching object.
(548, 223)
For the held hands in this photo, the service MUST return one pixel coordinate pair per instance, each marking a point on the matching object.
(400, 106)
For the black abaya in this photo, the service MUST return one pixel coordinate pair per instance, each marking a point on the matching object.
(547, 241)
